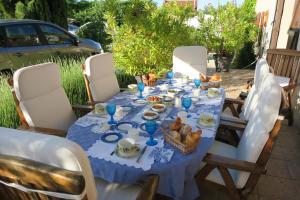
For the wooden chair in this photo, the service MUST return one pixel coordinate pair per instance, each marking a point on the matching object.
(242, 109)
(41, 102)
(286, 66)
(190, 61)
(239, 168)
(100, 79)
(65, 173)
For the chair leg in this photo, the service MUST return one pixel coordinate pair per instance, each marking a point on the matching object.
(233, 192)
(290, 117)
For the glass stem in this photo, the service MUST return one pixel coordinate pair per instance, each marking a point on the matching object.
(111, 118)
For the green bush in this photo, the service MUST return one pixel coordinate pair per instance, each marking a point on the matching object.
(147, 36)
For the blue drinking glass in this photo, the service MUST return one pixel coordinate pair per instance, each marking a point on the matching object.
(186, 103)
(141, 88)
(111, 110)
(151, 127)
(170, 76)
(197, 83)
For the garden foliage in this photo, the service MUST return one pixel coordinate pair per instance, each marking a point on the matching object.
(145, 37)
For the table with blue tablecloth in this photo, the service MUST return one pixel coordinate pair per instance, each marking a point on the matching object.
(177, 175)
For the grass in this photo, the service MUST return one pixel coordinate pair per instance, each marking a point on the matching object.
(73, 83)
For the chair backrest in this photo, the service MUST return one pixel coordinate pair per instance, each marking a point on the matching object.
(261, 70)
(55, 155)
(285, 62)
(190, 61)
(259, 126)
(41, 98)
(100, 74)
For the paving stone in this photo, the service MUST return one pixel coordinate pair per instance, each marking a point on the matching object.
(277, 188)
(294, 169)
(278, 168)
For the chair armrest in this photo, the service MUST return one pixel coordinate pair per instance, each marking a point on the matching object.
(233, 120)
(234, 101)
(48, 131)
(289, 87)
(84, 109)
(231, 125)
(149, 188)
(34, 175)
(231, 163)
(93, 103)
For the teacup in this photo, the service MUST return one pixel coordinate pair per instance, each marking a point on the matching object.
(100, 108)
(126, 147)
(132, 88)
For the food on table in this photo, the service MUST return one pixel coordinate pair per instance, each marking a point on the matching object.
(158, 107)
(183, 133)
(149, 79)
(213, 92)
(150, 115)
(154, 99)
(127, 148)
(206, 119)
(214, 77)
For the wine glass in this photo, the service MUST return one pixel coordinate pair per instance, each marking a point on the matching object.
(197, 82)
(170, 76)
(186, 103)
(151, 127)
(111, 110)
(141, 88)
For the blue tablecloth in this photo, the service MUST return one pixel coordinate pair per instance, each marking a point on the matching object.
(176, 177)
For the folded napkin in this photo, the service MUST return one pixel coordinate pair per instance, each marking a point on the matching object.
(102, 150)
(208, 133)
(161, 155)
(88, 121)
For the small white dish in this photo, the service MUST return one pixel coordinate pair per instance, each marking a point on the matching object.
(150, 115)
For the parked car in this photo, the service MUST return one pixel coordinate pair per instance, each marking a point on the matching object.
(23, 42)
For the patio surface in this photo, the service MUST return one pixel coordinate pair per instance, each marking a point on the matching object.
(282, 181)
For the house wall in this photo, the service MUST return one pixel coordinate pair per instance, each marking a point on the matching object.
(263, 6)
(286, 21)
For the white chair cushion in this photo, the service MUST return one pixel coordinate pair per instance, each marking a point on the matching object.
(100, 72)
(261, 70)
(190, 60)
(259, 125)
(51, 150)
(225, 150)
(282, 81)
(250, 103)
(43, 100)
(108, 191)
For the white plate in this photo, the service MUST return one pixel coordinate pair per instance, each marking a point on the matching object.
(140, 101)
(195, 99)
(125, 126)
(206, 119)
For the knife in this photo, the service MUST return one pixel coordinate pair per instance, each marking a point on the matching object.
(141, 154)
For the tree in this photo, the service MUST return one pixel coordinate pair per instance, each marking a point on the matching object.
(146, 37)
(47, 10)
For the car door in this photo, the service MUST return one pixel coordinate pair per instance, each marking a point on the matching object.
(61, 43)
(4, 62)
(24, 46)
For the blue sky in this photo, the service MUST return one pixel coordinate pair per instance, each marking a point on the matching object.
(202, 3)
